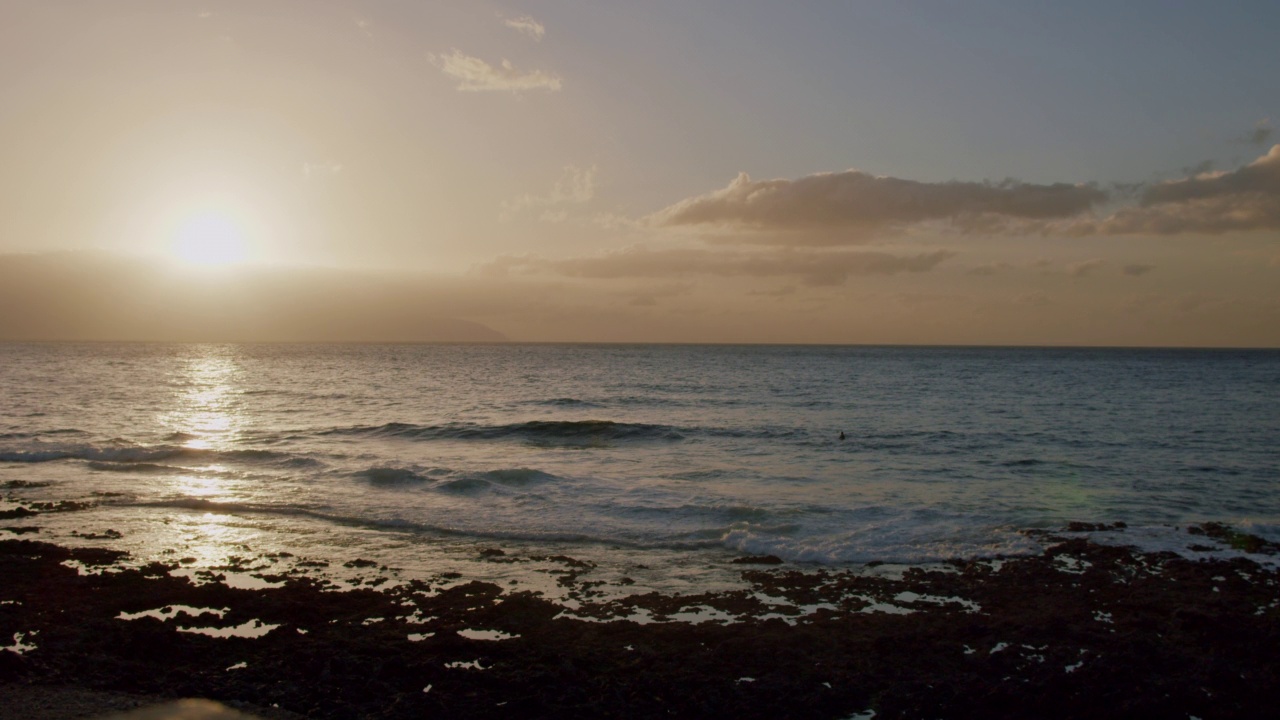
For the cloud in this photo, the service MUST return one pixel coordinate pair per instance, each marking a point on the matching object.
(1244, 199)
(476, 75)
(526, 25)
(1137, 269)
(1200, 168)
(575, 187)
(990, 269)
(650, 296)
(854, 207)
(1085, 268)
(1261, 133)
(613, 221)
(1261, 175)
(783, 292)
(813, 267)
(858, 202)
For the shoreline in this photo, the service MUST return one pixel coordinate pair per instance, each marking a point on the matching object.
(1088, 628)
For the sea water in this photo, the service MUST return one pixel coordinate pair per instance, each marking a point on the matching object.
(677, 454)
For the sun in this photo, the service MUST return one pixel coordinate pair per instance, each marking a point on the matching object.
(209, 239)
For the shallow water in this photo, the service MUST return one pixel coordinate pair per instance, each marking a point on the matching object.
(672, 454)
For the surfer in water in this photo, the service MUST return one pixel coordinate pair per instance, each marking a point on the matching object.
(841, 434)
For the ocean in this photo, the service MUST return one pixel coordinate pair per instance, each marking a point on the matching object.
(658, 461)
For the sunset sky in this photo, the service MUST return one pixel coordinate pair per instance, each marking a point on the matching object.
(1093, 173)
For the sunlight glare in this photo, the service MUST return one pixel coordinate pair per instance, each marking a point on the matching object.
(210, 239)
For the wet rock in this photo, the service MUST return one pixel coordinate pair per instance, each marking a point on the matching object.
(22, 484)
(757, 560)
(1094, 527)
(1240, 541)
(1082, 630)
(61, 506)
(104, 535)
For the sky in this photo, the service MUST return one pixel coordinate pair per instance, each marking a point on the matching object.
(985, 172)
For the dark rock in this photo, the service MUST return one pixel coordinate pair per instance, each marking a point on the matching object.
(1131, 635)
(757, 560)
(104, 535)
(1094, 527)
(23, 484)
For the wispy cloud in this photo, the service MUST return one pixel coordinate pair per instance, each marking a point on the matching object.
(1261, 133)
(991, 269)
(576, 186)
(526, 25)
(1084, 268)
(476, 75)
(1137, 269)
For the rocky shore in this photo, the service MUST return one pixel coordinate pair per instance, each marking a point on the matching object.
(1085, 629)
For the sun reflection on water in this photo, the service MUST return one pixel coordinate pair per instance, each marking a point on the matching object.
(211, 537)
(207, 416)
(209, 488)
(206, 409)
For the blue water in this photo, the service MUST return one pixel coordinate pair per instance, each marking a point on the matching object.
(679, 449)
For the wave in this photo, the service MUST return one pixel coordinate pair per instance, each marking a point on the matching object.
(466, 486)
(134, 467)
(906, 546)
(398, 524)
(549, 432)
(40, 433)
(393, 476)
(889, 541)
(140, 454)
(1024, 462)
(190, 503)
(580, 432)
(564, 402)
(454, 481)
(518, 477)
(476, 483)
